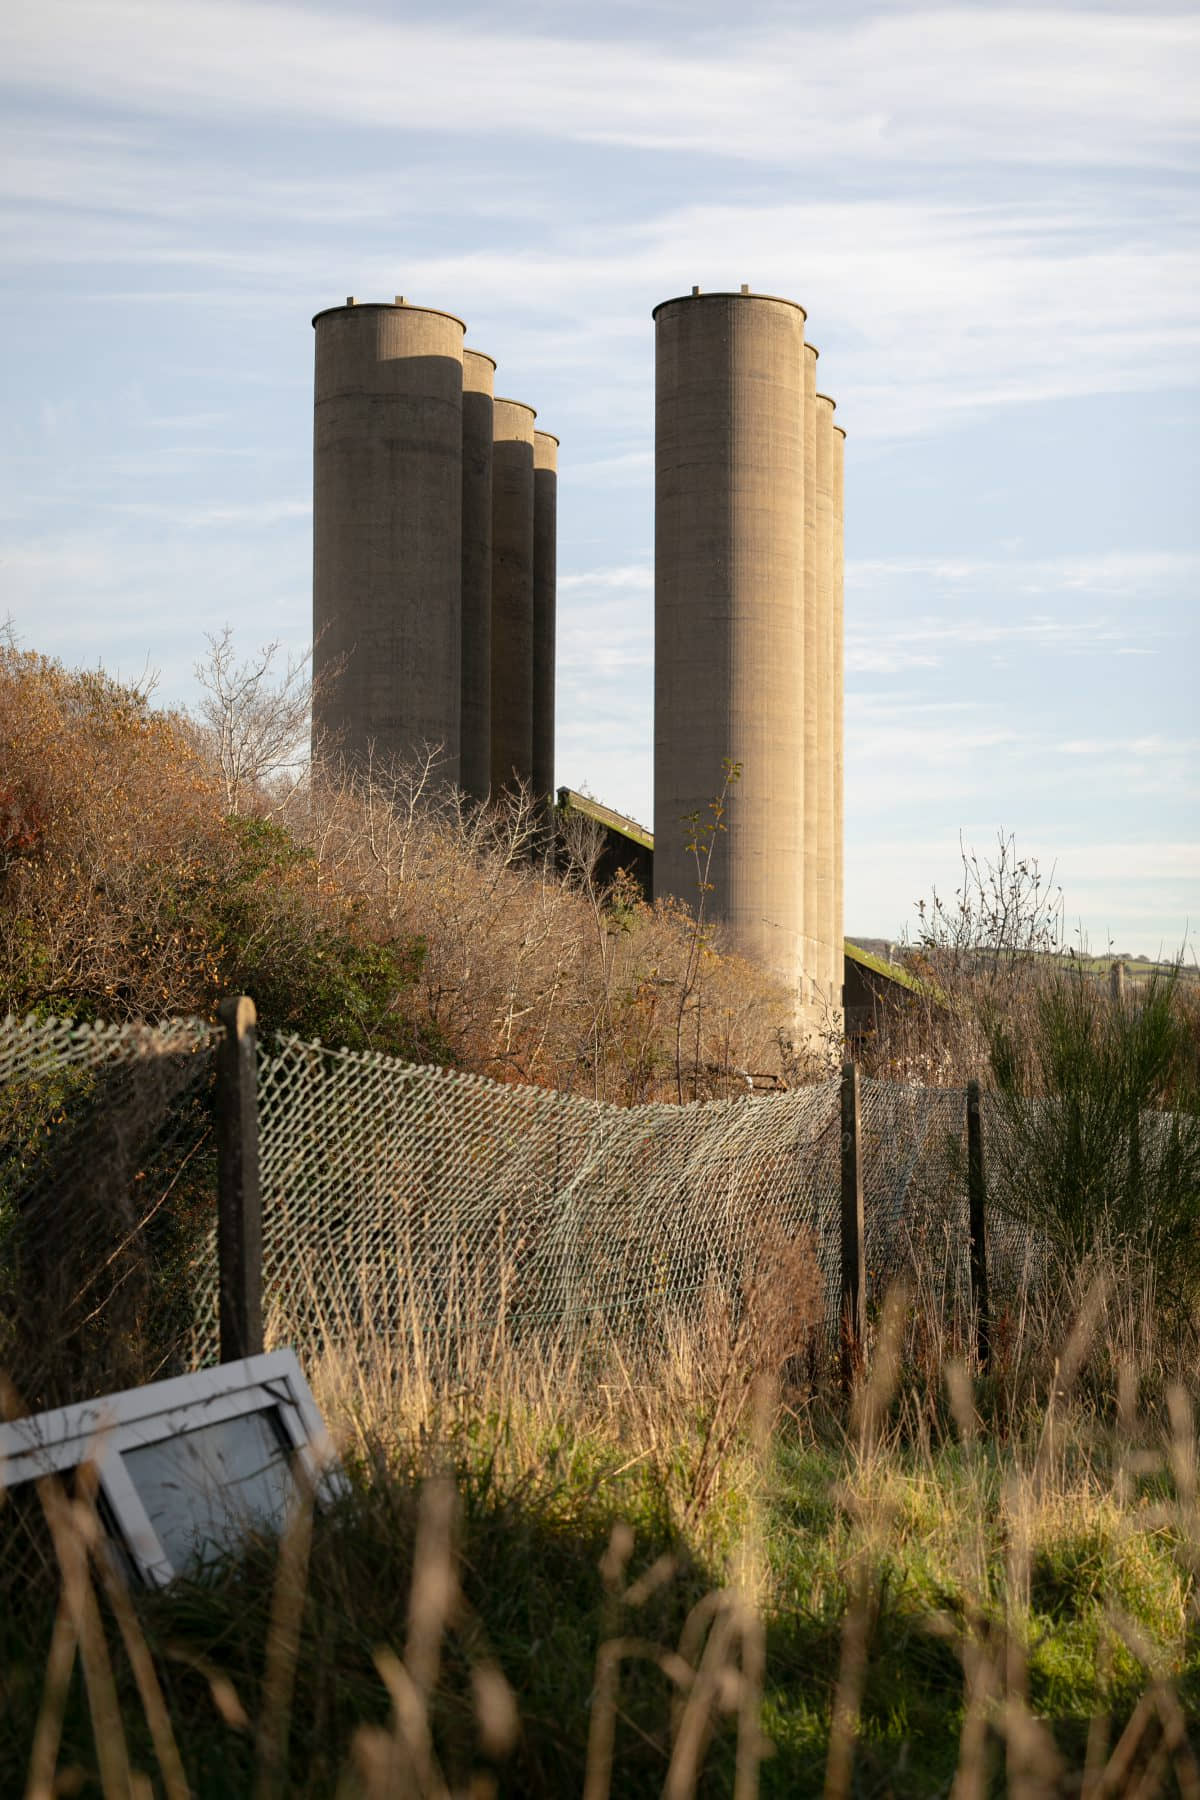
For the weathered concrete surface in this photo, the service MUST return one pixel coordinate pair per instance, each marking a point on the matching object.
(729, 613)
(829, 976)
(812, 678)
(512, 594)
(545, 567)
(387, 519)
(477, 427)
(838, 668)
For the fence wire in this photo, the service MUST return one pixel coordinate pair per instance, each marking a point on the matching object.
(402, 1199)
(407, 1199)
(107, 1199)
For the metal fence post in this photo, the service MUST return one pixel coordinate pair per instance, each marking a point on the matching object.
(853, 1260)
(977, 1203)
(239, 1196)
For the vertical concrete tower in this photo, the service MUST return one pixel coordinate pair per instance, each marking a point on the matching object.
(478, 378)
(545, 564)
(825, 785)
(729, 612)
(387, 521)
(812, 681)
(838, 671)
(512, 593)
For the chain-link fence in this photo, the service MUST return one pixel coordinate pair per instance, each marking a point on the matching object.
(406, 1200)
(107, 1199)
(400, 1198)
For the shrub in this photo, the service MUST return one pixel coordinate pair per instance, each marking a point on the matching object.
(1101, 1112)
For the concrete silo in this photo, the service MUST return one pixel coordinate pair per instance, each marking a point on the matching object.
(545, 565)
(812, 676)
(838, 672)
(477, 427)
(512, 593)
(387, 514)
(729, 612)
(825, 785)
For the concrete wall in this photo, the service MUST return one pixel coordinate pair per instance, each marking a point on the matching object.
(838, 745)
(476, 769)
(545, 564)
(828, 970)
(812, 674)
(387, 577)
(512, 593)
(729, 611)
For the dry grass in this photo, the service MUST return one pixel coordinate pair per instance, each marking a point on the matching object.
(574, 1567)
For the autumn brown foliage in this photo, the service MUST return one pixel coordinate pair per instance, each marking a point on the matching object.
(127, 891)
(372, 908)
(532, 970)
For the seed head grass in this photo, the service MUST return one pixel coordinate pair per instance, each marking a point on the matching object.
(580, 1567)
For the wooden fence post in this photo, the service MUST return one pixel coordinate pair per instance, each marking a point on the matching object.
(239, 1196)
(853, 1259)
(977, 1202)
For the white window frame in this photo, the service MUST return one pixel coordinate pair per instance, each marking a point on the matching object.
(100, 1431)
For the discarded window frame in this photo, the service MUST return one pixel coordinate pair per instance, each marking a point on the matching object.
(186, 1466)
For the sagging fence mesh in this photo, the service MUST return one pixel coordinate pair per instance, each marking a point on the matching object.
(107, 1197)
(400, 1198)
(403, 1199)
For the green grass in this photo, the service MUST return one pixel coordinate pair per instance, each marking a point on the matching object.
(1075, 1548)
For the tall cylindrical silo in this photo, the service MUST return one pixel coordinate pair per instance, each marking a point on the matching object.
(512, 594)
(729, 613)
(839, 726)
(477, 428)
(545, 565)
(812, 675)
(387, 514)
(826, 776)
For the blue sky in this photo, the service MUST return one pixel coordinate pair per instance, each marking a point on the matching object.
(989, 212)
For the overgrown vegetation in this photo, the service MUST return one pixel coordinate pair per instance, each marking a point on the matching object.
(1101, 1114)
(150, 864)
(580, 1569)
(598, 1567)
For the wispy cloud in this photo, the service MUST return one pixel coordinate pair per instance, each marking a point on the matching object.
(252, 513)
(951, 81)
(1154, 745)
(1122, 573)
(1104, 606)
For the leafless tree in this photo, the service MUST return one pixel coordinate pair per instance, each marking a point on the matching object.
(256, 717)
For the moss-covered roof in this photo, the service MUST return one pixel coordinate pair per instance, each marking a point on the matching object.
(878, 965)
(604, 815)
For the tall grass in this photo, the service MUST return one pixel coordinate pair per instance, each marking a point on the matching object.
(1100, 1106)
(564, 1567)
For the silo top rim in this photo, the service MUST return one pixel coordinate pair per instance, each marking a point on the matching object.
(503, 400)
(388, 306)
(813, 348)
(720, 294)
(470, 350)
(554, 438)
(841, 430)
(829, 401)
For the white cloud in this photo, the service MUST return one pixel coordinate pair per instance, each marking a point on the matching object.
(1153, 745)
(1011, 84)
(1101, 609)
(252, 513)
(628, 578)
(1123, 573)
